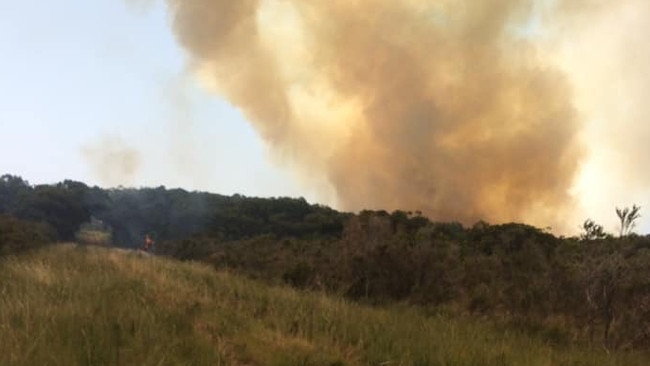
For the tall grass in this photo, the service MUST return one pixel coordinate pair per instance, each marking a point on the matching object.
(76, 305)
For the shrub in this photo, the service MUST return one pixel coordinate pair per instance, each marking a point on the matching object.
(19, 235)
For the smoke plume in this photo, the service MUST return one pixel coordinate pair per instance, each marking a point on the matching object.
(112, 161)
(450, 107)
(605, 51)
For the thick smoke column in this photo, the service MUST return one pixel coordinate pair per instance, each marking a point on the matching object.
(443, 106)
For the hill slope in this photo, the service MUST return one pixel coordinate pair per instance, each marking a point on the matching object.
(75, 305)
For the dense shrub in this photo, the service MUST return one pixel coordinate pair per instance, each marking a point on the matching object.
(590, 290)
(18, 235)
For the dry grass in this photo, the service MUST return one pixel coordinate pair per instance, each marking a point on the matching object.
(76, 305)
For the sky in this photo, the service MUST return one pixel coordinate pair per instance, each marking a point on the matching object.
(75, 74)
(110, 93)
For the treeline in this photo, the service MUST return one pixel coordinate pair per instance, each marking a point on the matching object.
(593, 288)
(31, 216)
(165, 214)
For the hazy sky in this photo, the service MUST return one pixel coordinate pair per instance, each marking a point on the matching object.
(79, 76)
(74, 73)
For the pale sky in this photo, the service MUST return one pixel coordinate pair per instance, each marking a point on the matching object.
(76, 72)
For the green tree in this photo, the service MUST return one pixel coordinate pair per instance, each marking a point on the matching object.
(11, 189)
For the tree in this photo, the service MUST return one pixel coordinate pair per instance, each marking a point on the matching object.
(12, 189)
(628, 219)
(592, 231)
(57, 206)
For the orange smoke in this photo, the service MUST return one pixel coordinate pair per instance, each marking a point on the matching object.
(442, 106)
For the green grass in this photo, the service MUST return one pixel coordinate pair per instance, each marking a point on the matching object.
(76, 305)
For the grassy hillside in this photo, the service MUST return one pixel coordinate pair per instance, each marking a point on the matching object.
(75, 305)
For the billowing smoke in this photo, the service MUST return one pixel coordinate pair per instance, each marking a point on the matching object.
(451, 107)
(605, 51)
(112, 161)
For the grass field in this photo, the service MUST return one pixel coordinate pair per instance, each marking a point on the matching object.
(78, 305)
